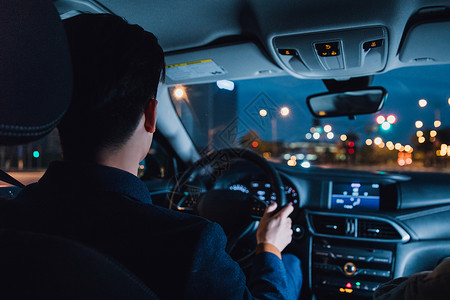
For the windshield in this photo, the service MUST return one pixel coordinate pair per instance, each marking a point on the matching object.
(270, 117)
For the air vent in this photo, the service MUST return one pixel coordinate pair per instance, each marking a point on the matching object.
(375, 229)
(329, 225)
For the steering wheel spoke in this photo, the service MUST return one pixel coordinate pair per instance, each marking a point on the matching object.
(258, 208)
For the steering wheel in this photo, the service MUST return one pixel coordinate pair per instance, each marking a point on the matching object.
(238, 213)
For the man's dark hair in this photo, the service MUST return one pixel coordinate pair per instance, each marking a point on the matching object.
(117, 68)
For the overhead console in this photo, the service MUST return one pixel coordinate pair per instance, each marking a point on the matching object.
(333, 54)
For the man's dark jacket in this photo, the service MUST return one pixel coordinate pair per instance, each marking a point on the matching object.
(178, 256)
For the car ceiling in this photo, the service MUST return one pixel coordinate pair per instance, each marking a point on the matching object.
(196, 23)
(186, 25)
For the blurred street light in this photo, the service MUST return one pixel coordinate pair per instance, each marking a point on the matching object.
(343, 137)
(437, 123)
(179, 92)
(419, 133)
(433, 133)
(423, 102)
(380, 120)
(263, 112)
(284, 111)
(327, 128)
(391, 119)
(419, 124)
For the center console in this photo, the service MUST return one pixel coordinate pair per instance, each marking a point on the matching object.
(342, 270)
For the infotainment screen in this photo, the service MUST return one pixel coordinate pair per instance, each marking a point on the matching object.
(355, 196)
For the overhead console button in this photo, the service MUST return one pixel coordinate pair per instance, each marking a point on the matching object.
(372, 44)
(291, 52)
(328, 49)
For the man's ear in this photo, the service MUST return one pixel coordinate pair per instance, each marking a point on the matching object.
(150, 116)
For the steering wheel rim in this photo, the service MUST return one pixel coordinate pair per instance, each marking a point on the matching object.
(234, 153)
(216, 160)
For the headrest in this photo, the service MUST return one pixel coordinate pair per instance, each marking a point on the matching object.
(35, 70)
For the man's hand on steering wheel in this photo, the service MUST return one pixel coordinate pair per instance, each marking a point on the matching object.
(275, 228)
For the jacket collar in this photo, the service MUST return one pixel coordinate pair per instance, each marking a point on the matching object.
(93, 177)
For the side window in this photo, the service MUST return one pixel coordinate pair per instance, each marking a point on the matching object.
(28, 162)
(158, 164)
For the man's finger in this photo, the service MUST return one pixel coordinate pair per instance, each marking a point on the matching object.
(286, 211)
(271, 208)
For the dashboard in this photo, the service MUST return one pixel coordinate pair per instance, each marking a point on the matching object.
(355, 230)
(363, 229)
(263, 191)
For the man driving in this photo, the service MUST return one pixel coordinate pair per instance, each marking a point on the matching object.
(94, 196)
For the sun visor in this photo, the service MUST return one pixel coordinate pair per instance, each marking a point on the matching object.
(232, 62)
(427, 43)
(333, 54)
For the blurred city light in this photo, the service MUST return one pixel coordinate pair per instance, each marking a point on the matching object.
(391, 119)
(316, 135)
(255, 144)
(225, 85)
(448, 101)
(408, 160)
(398, 146)
(263, 112)
(330, 135)
(343, 137)
(421, 140)
(386, 125)
(408, 148)
(378, 140)
(433, 133)
(401, 162)
(381, 145)
(292, 163)
(36, 154)
(327, 128)
(308, 136)
(419, 124)
(368, 142)
(284, 111)
(305, 164)
(437, 123)
(423, 102)
(380, 120)
(419, 133)
(293, 157)
(300, 156)
(179, 92)
(313, 129)
(287, 156)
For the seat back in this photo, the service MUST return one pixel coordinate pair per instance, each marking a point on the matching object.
(35, 91)
(38, 266)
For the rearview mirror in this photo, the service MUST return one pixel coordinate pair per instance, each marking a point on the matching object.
(350, 103)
